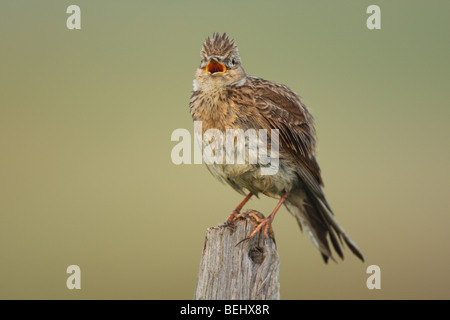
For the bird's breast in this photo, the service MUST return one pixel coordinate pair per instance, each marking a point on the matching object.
(214, 109)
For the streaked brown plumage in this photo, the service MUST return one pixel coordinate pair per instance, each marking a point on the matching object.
(225, 97)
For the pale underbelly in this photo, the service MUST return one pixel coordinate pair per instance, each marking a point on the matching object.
(248, 162)
(249, 177)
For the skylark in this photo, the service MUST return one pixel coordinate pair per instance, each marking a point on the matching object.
(225, 97)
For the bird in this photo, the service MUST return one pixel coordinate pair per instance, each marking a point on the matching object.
(225, 97)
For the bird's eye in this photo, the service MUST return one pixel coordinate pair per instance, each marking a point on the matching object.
(233, 61)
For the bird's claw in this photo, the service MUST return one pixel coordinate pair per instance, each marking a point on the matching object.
(233, 216)
(257, 217)
(262, 222)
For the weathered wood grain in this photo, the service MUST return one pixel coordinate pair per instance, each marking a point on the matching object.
(233, 269)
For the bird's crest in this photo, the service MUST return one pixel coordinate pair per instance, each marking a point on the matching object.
(218, 45)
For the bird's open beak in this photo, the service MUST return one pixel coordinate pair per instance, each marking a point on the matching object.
(215, 67)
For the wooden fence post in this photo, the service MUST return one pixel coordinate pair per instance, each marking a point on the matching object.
(232, 269)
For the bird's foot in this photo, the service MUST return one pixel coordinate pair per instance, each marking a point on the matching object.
(256, 218)
(237, 212)
(233, 216)
(262, 222)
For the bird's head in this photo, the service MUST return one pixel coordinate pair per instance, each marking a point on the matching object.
(220, 64)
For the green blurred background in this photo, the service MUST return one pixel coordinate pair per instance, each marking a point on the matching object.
(86, 117)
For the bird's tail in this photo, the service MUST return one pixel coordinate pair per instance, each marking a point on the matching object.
(316, 218)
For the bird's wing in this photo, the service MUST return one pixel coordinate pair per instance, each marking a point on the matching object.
(282, 109)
